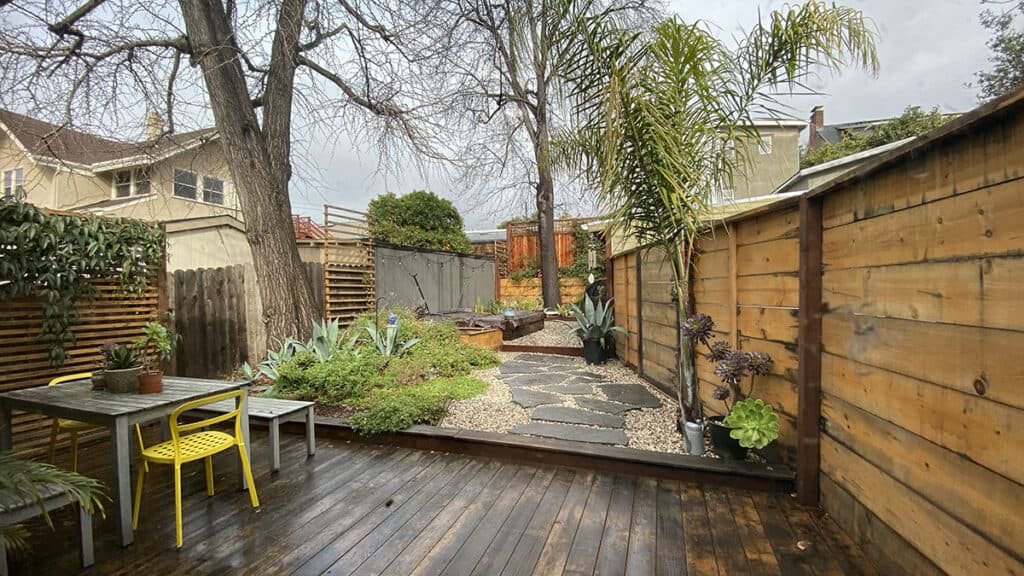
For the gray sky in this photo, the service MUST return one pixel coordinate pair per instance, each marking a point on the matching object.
(928, 51)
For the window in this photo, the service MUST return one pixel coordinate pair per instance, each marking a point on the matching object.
(730, 148)
(185, 184)
(142, 181)
(14, 184)
(766, 145)
(213, 190)
(122, 184)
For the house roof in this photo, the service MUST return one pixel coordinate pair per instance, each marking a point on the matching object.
(48, 143)
(839, 162)
(109, 204)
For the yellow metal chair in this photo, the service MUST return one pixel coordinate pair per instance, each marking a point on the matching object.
(74, 427)
(196, 446)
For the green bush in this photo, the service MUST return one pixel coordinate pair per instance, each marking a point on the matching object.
(419, 219)
(390, 393)
(397, 408)
(913, 122)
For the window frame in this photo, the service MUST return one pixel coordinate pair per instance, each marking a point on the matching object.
(13, 180)
(207, 193)
(195, 184)
(137, 178)
(115, 185)
(764, 150)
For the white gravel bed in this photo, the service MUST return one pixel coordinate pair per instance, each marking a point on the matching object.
(555, 333)
(492, 411)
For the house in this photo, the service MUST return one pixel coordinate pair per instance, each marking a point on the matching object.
(164, 177)
(813, 176)
(768, 162)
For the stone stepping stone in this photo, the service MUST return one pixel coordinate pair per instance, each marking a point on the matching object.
(634, 394)
(519, 368)
(533, 398)
(548, 359)
(605, 406)
(566, 415)
(537, 379)
(584, 380)
(571, 389)
(570, 432)
(587, 375)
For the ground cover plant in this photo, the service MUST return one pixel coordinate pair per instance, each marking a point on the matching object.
(392, 377)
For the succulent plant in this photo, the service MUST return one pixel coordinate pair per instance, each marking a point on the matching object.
(698, 328)
(718, 351)
(759, 363)
(733, 368)
(753, 423)
(721, 393)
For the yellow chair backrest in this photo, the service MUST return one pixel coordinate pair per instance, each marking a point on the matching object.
(69, 378)
(177, 428)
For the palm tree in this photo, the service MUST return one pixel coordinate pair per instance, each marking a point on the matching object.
(22, 481)
(658, 114)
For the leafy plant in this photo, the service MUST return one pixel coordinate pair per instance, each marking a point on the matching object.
(388, 342)
(594, 322)
(122, 358)
(754, 423)
(324, 342)
(269, 367)
(55, 257)
(21, 481)
(419, 219)
(158, 338)
(394, 409)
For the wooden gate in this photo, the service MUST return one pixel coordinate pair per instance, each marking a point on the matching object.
(349, 266)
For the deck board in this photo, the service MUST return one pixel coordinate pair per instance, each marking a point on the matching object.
(359, 509)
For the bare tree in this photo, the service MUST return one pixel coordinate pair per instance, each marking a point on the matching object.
(515, 60)
(256, 66)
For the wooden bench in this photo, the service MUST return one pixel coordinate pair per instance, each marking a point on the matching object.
(52, 498)
(272, 411)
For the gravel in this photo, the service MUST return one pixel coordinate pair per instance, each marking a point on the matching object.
(493, 411)
(555, 333)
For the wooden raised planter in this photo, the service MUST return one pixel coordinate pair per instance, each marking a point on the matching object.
(523, 324)
(489, 338)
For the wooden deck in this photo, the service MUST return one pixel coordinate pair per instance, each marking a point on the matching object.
(358, 509)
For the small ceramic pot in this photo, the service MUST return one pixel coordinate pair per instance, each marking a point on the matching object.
(123, 381)
(151, 382)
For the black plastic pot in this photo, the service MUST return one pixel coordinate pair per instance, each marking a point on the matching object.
(593, 351)
(724, 445)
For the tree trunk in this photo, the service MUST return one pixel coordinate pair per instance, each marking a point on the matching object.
(261, 184)
(546, 216)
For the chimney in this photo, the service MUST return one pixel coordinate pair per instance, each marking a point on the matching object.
(817, 121)
(154, 125)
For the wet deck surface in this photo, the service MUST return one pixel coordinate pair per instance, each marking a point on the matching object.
(357, 509)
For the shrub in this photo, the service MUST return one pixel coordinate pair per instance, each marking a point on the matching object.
(343, 379)
(397, 408)
(419, 219)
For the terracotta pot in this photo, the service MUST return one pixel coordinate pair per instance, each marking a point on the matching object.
(151, 382)
(725, 445)
(123, 381)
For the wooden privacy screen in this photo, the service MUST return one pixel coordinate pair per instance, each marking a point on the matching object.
(524, 242)
(627, 313)
(349, 264)
(111, 317)
(658, 336)
(923, 385)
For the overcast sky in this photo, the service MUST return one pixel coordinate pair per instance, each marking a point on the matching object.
(928, 52)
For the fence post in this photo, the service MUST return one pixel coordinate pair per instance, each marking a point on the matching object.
(808, 455)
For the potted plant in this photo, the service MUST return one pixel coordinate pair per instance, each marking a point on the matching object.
(122, 369)
(731, 435)
(593, 325)
(99, 380)
(154, 346)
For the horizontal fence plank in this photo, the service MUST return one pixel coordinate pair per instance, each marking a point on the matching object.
(771, 226)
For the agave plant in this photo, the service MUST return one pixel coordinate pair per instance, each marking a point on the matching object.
(754, 423)
(324, 341)
(20, 483)
(387, 342)
(594, 321)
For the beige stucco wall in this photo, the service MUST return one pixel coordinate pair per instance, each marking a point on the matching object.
(209, 247)
(763, 173)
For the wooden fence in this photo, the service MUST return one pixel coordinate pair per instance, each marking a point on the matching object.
(112, 317)
(524, 242)
(890, 301)
(349, 264)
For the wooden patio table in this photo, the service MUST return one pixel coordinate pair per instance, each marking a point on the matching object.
(118, 412)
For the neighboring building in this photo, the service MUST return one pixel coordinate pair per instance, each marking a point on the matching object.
(769, 162)
(821, 133)
(810, 177)
(165, 177)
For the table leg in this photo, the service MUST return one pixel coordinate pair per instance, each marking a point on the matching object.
(275, 444)
(310, 431)
(121, 490)
(5, 426)
(243, 405)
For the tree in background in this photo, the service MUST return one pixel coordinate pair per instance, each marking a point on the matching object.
(514, 65)
(913, 122)
(656, 113)
(419, 219)
(1007, 58)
